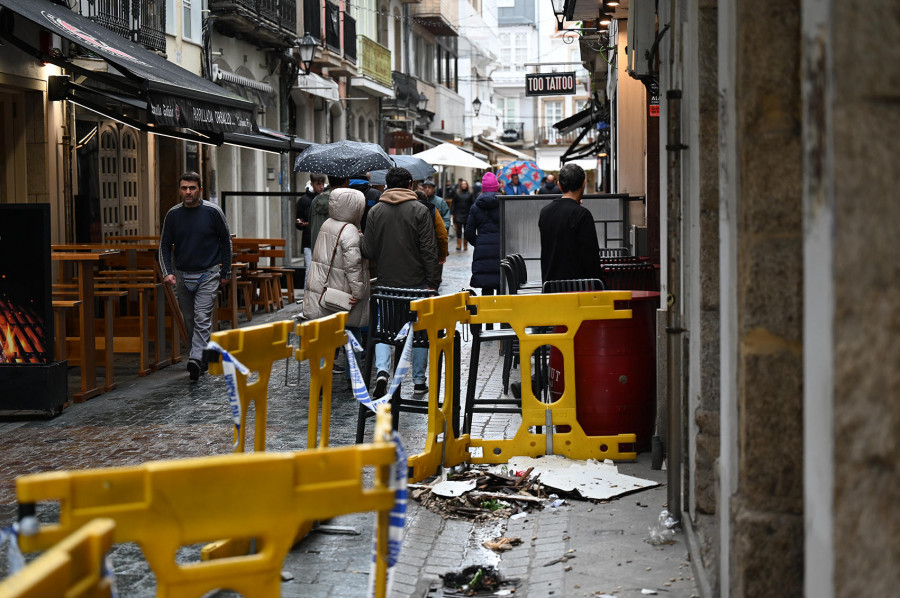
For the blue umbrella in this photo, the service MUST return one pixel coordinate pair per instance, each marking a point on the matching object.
(417, 167)
(529, 173)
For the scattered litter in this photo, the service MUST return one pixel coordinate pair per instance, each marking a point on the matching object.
(590, 479)
(664, 530)
(336, 530)
(481, 494)
(562, 559)
(502, 544)
(477, 580)
(557, 503)
(647, 592)
(286, 576)
(604, 596)
(450, 488)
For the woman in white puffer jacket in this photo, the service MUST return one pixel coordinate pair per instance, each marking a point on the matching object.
(350, 272)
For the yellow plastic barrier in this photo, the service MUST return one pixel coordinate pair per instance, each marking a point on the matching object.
(318, 341)
(437, 314)
(71, 569)
(257, 347)
(164, 505)
(522, 313)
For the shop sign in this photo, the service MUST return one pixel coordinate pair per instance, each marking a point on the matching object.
(399, 139)
(550, 84)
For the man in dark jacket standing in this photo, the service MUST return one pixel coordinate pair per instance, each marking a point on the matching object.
(399, 239)
(569, 247)
(195, 255)
(549, 185)
(316, 185)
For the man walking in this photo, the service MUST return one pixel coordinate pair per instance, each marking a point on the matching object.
(400, 240)
(195, 256)
(569, 246)
(438, 202)
(313, 188)
(549, 185)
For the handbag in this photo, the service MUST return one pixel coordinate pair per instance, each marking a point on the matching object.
(335, 299)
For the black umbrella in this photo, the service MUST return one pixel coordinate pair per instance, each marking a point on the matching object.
(343, 158)
(417, 167)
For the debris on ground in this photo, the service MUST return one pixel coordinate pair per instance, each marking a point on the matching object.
(476, 580)
(482, 494)
(664, 530)
(502, 544)
(591, 478)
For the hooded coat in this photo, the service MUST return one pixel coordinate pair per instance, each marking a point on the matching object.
(350, 272)
(400, 238)
(318, 214)
(483, 231)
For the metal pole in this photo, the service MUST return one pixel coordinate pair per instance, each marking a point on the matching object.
(674, 325)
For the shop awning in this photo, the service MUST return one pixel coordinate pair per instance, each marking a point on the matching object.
(258, 92)
(318, 86)
(168, 95)
(499, 147)
(268, 140)
(429, 141)
(589, 119)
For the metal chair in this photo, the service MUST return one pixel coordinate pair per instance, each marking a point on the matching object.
(521, 268)
(630, 277)
(613, 251)
(506, 337)
(388, 313)
(577, 285)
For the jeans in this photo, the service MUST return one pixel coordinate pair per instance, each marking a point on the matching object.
(307, 260)
(419, 358)
(196, 308)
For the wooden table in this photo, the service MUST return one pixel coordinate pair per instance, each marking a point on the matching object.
(85, 261)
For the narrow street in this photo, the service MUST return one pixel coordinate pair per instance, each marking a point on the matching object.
(165, 416)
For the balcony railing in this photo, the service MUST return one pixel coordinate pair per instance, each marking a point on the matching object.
(550, 135)
(440, 17)
(332, 26)
(512, 132)
(312, 18)
(374, 60)
(141, 21)
(280, 13)
(349, 38)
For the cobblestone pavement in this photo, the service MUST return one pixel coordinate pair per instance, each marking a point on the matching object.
(164, 416)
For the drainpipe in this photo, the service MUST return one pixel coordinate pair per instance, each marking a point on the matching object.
(287, 218)
(674, 323)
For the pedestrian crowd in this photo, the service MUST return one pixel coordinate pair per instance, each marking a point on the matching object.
(356, 235)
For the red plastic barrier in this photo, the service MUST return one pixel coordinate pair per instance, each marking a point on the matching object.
(615, 372)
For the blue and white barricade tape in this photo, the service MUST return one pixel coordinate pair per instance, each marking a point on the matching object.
(230, 366)
(405, 358)
(106, 571)
(15, 562)
(360, 391)
(397, 521)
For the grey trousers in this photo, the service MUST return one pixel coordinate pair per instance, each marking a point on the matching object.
(196, 308)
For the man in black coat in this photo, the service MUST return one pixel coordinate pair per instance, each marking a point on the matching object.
(315, 186)
(569, 246)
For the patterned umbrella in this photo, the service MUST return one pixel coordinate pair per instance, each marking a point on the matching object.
(418, 168)
(529, 173)
(343, 158)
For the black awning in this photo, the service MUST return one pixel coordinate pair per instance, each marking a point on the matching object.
(587, 117)
(173, 96)
(268, 140)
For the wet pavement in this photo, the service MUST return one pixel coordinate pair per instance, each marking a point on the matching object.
(165, 416)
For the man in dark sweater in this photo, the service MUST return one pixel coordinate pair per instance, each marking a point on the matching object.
(569, 247)
(195, 255)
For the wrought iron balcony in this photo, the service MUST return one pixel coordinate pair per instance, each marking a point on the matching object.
(552, 136)
(512, 132)
(333, 26)
(270, 22)
(374, 60)
(440, 17)
(141, 21)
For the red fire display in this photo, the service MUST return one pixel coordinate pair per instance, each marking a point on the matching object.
(22, 337)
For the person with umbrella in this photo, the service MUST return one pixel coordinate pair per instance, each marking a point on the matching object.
(514, 187)
(315, 186)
